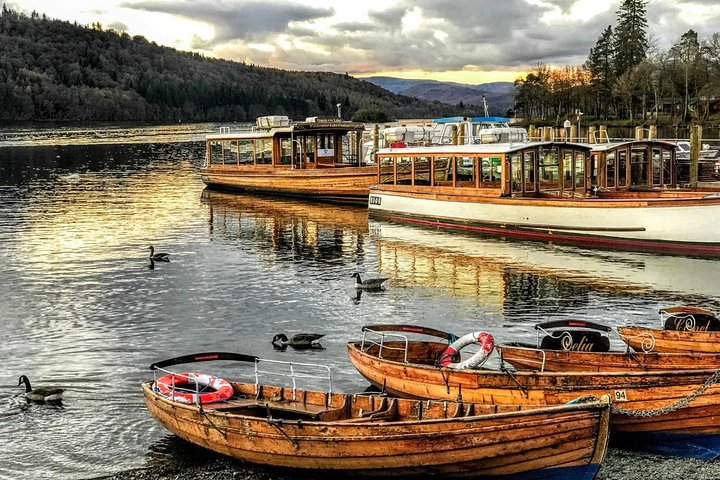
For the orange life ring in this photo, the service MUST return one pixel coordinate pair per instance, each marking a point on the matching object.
(183, 382)
(484, 339)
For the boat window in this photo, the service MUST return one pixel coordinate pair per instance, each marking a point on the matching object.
(285, 151)
(490, 171)
(229, 152)
(263, 151)
(579, 170)
(622, 168)
(549, 169)
(516, 173)
(308, 147)
(422, 171)
(387, 170)
(657, 167)
(465, 170)
(216, 153)
(567, 170)
(442, 167)
(404, 171)
(529, 161)
(639, 167)
(246, 151)
(610, 168)
(667, 166)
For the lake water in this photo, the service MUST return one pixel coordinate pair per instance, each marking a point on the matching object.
(82, 309)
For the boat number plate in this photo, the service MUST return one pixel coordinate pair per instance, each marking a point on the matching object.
(375, 200)
(620, 396)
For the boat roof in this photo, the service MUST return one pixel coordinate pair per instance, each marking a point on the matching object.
(471, 119)
(480, 148)
(603, 147)
(311, 125)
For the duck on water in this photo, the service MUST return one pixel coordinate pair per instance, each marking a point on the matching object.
(41, 394)
(370, 284)
(158, 257)
(299, 341)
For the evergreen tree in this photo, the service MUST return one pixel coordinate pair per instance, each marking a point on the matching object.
(602, 75)
(686, 55)
(630, 43)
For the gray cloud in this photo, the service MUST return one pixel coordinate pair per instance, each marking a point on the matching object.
(237, 20)
(457, 34)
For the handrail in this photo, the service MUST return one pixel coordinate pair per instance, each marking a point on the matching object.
(382, 345)
(293, 375)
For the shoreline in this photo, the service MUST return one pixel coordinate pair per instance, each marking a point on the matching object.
(618, 464)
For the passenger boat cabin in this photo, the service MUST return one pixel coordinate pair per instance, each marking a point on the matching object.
(531, 169)
(276, 142)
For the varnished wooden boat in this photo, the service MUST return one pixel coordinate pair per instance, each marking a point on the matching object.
(666, 412)
(317, 158)
(686, 330)
(379, 436)
(582, 346)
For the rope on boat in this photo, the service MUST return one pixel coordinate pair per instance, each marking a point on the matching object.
(682, 403)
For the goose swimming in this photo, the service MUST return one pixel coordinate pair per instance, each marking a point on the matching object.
(40, 394)
(158, 257)
(300, 340)
(370, 283)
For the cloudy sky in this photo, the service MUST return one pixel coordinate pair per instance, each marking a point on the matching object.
(466, 41)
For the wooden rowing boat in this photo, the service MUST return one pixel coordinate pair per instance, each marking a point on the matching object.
(685, 330)
(581, 346)
(666, 412)
(379, 436)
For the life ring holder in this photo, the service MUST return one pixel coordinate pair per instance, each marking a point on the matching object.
(484, 339)
(184, 388)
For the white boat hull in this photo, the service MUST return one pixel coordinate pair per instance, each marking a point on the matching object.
(685, 226)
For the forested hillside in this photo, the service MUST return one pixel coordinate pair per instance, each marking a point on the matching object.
(55, 70)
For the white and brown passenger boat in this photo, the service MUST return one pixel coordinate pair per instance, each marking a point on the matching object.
(362, 434)
(620, 195)
(317, 158)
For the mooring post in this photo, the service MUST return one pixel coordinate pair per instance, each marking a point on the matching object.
(573, 134)
(591, 134)
(376, 137)
(532, 134)
(652, 133)
(695, 138)
(454, 131)
(638, 134)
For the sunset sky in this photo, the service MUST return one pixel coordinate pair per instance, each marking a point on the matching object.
(462, 41)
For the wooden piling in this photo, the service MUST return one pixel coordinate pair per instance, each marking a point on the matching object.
(454, 134)
(532, 133)
(376, 137)
(652, 134)
(592, 138)
(639, 134)
(695, 138)
(573, 134)
(603, 137)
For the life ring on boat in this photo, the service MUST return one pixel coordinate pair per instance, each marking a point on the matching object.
(484, 339)
(185, 385)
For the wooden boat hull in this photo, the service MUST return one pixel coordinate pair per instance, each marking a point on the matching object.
(669, 341)
(636, 391)
(345, 184)
(566, 443)
(524, 358)
(669, 225)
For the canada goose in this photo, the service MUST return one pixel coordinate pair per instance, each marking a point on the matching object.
(40, 394)
(158, 257)
(301, 340)
(370, 283)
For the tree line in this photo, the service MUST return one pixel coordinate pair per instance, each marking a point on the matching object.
(626, 79)
(57, 70)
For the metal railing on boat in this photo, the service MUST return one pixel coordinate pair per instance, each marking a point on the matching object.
(381, 343)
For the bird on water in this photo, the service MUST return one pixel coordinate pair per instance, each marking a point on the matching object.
(370, 284)
(158, 257)
(299, 341)
(40, 394)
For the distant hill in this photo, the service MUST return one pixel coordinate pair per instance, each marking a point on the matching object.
(497, 94)
(55, 70)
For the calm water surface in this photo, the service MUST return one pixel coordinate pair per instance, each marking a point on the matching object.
(82, 309)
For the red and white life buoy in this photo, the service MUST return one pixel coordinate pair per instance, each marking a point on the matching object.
(484, 339)
(180, 390)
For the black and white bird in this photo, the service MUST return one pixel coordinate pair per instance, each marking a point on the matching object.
(40, 394)
(299, 341)
(158, 257)
(370, 284)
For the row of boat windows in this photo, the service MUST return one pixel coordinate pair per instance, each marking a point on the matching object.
(555, 169)
(649, 167)
(259, 151)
